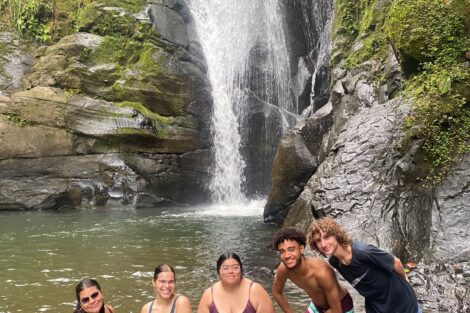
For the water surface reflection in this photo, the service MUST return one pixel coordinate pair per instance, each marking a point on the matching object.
(44, 254)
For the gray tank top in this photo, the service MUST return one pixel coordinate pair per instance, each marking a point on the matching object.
(172, 307)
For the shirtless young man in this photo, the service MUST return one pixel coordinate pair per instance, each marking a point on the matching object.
(313, 275)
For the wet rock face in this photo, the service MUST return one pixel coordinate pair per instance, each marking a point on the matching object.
(295, 161)
(364, 179)
(261, 129)
(15, 61)
(102, 122)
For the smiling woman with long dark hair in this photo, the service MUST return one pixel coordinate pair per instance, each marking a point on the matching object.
(233, 292)
(166, 300)
(90, 298)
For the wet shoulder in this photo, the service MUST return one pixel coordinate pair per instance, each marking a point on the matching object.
(317, 263)
(146, 306)
(319, 267)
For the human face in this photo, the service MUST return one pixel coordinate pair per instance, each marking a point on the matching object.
(326, 244)
(91, 299)
(230, 271)
(290, 253)
(165, 284)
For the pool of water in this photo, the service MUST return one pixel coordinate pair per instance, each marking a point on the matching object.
(45, 254)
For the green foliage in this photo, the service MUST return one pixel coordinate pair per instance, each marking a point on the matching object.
(112, 23)
(14, 118)
(50, 20)
(432, 33)
(29, 17)
(373, 46)
(425, 29)
(359, 21)
(432, 36)
(117, 49)
(441, 114)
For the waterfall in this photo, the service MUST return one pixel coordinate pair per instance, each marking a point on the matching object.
(244, 46)
(322, 10)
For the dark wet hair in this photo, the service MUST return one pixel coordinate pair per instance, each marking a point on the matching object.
(163, 268)
(82, 285)
(288, 233)
(226, 256)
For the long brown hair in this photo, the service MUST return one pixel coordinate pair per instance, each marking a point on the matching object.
(82, 285)
(329, 227)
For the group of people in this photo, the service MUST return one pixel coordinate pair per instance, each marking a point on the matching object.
(375, 274)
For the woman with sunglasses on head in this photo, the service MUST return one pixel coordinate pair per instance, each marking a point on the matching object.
(166, 300)
(234, 293)
(90, 298)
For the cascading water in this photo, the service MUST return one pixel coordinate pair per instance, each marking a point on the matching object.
(322, 10)
(244, 47)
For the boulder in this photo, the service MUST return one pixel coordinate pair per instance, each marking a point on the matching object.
(108, 117)
(295, 162)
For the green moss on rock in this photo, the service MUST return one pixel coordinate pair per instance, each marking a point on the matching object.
(16, 119)
(425, 29)
(431, 39)
(359, 21)
(139, 107)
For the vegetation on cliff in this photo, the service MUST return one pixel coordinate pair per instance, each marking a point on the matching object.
(430, 38)
(130, 64)
(50, 20)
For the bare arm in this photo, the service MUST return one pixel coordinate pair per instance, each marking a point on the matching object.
(205, 302)
(326, 278)
(398, 268)
(183, 305)
(261, 300)
(145, 308)
(278, 289)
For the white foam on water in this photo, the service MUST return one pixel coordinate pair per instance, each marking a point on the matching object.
(249, 208)
(60, 280)
(180, 267)
(142, 274)
(45, 308)
(107, 276)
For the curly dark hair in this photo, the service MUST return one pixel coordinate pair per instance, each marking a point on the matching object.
(329, 227)
(288, 233)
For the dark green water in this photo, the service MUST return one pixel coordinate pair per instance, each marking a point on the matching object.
(44, 254)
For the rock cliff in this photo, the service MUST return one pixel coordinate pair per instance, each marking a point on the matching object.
(115, 114)
(353, 159)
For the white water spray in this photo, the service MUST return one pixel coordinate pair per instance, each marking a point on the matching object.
(230, 31)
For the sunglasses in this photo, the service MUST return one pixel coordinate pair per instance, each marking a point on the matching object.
(93, 296)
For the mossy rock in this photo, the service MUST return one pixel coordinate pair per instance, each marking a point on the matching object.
(106, 21)
(424, 29)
